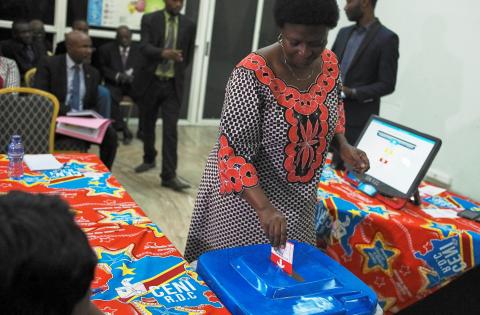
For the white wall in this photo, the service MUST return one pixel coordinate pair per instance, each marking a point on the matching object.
(438, 86)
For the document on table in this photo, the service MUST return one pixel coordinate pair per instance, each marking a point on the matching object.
(441, 213)
(42, 162)
(430, 190)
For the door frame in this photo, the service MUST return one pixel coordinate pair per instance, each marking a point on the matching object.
(202, 58)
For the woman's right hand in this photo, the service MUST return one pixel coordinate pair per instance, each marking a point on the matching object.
(274, 225)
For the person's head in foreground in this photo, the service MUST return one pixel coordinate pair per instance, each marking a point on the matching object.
(46, 261)
(304, 26)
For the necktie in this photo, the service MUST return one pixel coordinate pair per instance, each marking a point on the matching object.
(29, 52)
(169, 39)
(124, 57)
(75, 97)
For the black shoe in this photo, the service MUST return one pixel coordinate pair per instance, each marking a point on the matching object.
(144, 167)
(127, 136)
(175, 184)
(140, 134)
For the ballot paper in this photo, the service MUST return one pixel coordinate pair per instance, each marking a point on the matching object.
(441, 213)
(42, 162)
(429, 190)
(283, 257)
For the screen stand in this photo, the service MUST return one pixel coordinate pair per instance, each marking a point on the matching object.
(397, 202)
(416, 198)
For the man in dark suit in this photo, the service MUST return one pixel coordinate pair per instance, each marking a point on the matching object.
(22, 48)
(167, 43)
(74, 82)
(368, 56)
(39, 35)
(117, 64)
(104, 98)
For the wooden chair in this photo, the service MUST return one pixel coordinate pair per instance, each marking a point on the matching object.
(128, 103)
(29, 77)
(32, 114)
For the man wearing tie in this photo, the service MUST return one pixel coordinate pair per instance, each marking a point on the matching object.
(74, 82)
(167, 43)
(22, 48)
(368, 56)
(117, 64)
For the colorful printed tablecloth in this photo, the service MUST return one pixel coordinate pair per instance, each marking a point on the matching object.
(139, 270)
(404, 255)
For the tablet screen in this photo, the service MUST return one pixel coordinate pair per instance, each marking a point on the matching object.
(399, 156)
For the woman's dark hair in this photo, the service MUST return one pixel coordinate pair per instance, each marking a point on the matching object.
(46, 262)
(306, 12)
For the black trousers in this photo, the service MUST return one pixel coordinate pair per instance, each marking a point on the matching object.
(108, 147)
(161, 96)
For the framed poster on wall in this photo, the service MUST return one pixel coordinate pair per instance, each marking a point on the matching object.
(113, 13)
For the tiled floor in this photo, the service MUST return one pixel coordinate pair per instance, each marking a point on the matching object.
(170, 210)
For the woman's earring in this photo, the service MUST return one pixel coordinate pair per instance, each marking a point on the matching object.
(280, 39)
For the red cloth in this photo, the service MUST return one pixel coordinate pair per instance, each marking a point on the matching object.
(1, 83)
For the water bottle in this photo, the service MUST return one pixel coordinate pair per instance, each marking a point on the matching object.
(15, 158)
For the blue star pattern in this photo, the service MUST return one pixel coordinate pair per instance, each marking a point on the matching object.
(30, 180)
(378, 256)
(380, 210)
(127, 217)
(445, 230)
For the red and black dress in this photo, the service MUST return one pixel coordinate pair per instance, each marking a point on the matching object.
(272, 135)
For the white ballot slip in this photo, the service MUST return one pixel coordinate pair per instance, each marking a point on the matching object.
(283, 258)
(42, 162)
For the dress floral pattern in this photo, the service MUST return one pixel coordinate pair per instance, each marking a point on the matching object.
(272, 135)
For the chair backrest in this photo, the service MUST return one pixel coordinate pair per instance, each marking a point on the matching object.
(30, 76)
(30, 113)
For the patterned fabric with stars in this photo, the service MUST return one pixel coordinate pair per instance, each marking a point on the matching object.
(404, 255)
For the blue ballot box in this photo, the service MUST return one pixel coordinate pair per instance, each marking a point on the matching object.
(248, 282)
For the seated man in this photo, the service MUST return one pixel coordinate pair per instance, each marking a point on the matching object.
(103, 95)
(50, 264)
(22, 48)
(40, 36)
(75, 83)
(117, 64)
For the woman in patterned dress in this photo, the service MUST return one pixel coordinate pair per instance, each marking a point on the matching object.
(282, 110)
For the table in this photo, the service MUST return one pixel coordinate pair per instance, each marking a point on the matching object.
(404, 255)
(139, 270)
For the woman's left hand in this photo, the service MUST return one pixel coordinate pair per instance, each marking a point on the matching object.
(354, 157)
